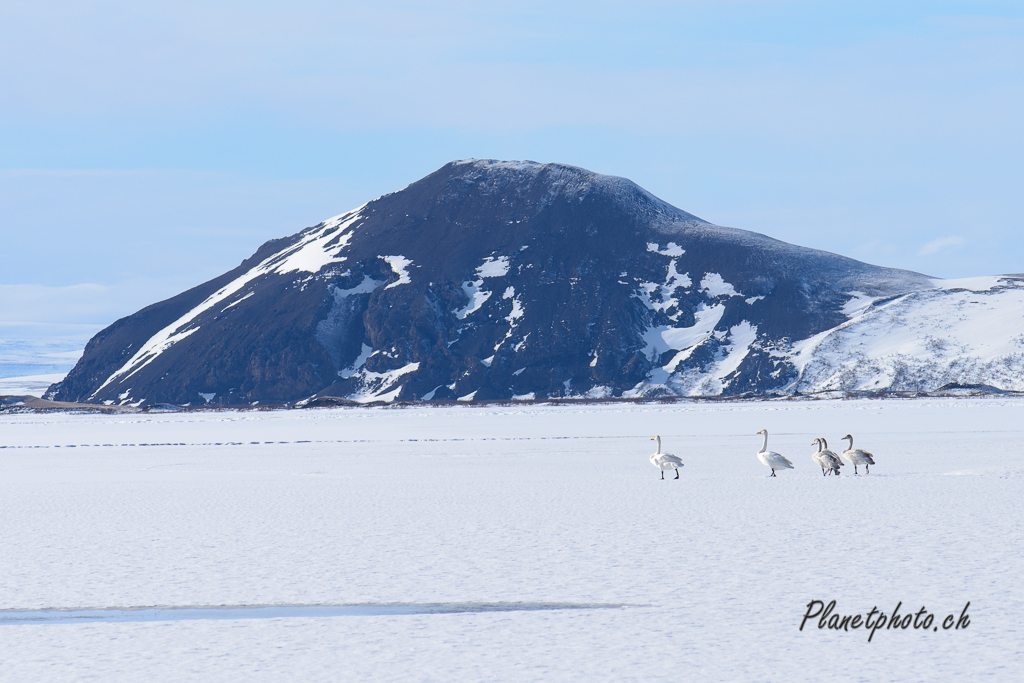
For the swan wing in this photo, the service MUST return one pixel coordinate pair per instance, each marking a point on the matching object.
(831, 458)
(859, 457)
(833, 461)
(666, 461)
(670, 459)
(776, 460)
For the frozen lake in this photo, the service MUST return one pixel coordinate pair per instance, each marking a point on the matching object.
(509, 543)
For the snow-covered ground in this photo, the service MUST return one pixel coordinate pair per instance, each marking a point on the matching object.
(509, 543)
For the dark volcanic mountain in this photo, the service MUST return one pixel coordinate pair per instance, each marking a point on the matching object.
(488, 280)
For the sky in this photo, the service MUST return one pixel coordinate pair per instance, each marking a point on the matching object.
(148, 147)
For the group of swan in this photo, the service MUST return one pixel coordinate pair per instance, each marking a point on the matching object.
(826, 459)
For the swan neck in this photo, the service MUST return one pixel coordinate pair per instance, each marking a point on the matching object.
(764, 446)
(659, 446)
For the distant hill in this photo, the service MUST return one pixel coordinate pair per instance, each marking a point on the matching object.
(499, 280)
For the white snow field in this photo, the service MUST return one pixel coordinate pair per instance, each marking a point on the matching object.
(523, 543)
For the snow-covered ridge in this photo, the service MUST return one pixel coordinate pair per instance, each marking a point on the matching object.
(968, 331)
(959, 332)
(317, 247)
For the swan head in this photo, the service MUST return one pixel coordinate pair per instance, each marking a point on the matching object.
(816, 442)
(848, 437)
(761, 431)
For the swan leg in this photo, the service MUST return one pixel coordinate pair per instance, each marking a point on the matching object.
(663, 474)
(773, 472)
(677, 473)
(866, 469)
(855, 468)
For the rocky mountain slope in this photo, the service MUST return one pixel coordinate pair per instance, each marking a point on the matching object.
(499, 280)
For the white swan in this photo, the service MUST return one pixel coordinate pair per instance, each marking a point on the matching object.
(665, 461)
(826, 459)
(858, 457)
(771, 458)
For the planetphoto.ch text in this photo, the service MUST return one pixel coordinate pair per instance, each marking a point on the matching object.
(874, 620)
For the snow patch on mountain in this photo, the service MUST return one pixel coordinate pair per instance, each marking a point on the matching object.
(477, 298)
(490, 268)
(662, 339)
(975, 284)
(399, 265)
(358, 363)
(671, 249)
(380, 386)
(237, 301)
(512, 319)
(714, 285)
(319, 247)
(365, 287)
(741, 338)
(661, 296)
(859, 301)
(961, 332)
(493, 267)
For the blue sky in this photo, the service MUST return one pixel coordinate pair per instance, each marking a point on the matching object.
(147, 147)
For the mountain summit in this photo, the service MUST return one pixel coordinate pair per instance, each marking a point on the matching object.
(493, 280)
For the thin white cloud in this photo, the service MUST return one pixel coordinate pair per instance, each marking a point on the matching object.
(941, 244)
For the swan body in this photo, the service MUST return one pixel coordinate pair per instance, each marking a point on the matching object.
(775, 461)
(665, 461)
(856, 456)
(826, 459)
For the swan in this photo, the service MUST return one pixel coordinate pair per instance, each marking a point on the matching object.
(665, 461)
(771, 458)
(826, 459)
(858, 457)
(836, 461)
